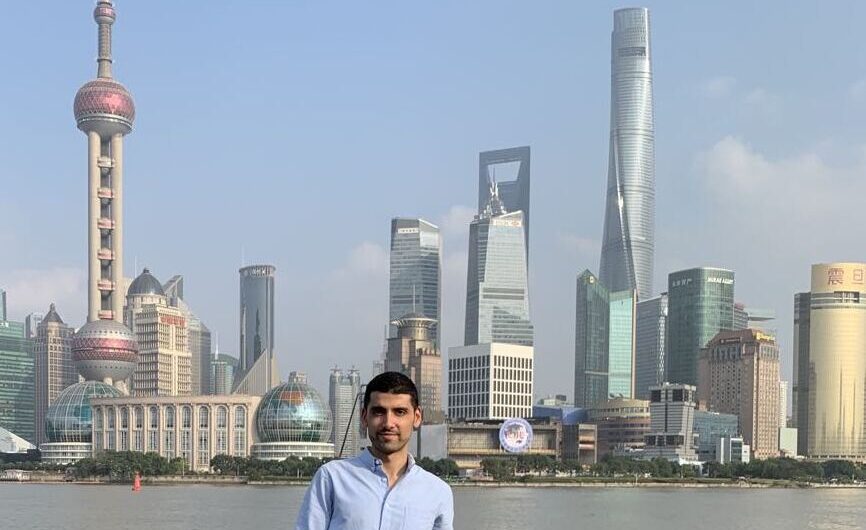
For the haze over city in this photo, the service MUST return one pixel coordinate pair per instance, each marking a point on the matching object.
(265, 135)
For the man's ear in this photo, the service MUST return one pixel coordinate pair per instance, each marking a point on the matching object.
(364, 418)
(419, 417)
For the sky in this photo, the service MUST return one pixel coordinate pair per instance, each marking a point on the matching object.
(290, 133)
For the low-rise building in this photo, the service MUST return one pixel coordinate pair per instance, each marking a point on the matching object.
(710, 428)
(671, 436)
(622, 425)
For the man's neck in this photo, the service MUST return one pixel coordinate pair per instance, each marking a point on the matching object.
(394, 464)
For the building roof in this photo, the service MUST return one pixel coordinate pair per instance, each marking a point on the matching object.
(52, 316)
(145, 284)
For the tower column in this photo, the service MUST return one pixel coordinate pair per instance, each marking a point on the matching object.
(117, 234)
(94, 298)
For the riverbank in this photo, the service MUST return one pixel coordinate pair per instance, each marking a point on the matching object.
(527, 482)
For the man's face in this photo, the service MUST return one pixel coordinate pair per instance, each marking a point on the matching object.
(389, 420)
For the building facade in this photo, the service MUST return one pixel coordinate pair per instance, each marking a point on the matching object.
(621, 344)
(650, 340)
(629, 224)
(672, 419)
(497, 289)
(414, 353)
(513, 193)
(345, 404)
(592, 315)
(17, 381)
(415, 272)
(222, 368)
(256, 316)
(622, 425)
(162, 334)
(195, 428)
(831, 373)
(54, 371)
(31, 325)
(800, 394)
(198, 337)
(700, 304)
(739, 374)
(783, 404)
(490, 382)
(712, 428)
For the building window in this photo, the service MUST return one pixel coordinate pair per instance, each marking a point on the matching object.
(240, 440)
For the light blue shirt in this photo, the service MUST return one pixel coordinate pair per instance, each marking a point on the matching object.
(353, 494)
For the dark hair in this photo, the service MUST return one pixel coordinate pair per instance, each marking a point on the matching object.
(391, 383)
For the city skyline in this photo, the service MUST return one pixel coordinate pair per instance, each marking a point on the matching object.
(569, 161)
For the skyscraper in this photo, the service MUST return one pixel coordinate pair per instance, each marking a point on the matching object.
(739, 374)
(414, 353)
(650, 338)
(497, 293)
(416, 276)
(161, 331)
(831, 372)
(802, 368)
(52, 351)
(198, 335)
(700, 304)
(31, 324)
(346, 411)
(621, 344)
(17, 385)
(629, 223)
(2, 305)
(258, 372)
(591, 341)
(222, 376)
(104, 349)
(513, 193)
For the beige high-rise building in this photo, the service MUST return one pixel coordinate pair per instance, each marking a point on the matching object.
(414, 353)
(830, 364)
(54, 368)
(738, 373)
(164, 360)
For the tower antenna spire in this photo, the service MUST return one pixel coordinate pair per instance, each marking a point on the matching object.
(104, 16)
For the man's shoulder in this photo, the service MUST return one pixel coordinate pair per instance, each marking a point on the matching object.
(429, 480)
(341, 465)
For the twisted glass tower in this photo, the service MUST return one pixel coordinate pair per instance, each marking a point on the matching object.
(629, 240)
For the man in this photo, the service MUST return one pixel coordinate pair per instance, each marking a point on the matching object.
(381, 488)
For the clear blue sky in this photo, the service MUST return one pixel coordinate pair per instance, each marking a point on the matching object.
(295, 130)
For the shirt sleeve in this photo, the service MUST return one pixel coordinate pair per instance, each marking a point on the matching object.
(445, 520)
(317, 508)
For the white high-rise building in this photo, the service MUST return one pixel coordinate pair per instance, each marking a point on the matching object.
(783, 404)
(490, 381)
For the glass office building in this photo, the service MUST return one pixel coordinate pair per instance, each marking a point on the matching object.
(591, 342)
(416, 272)
(700, 304)
(256, 314)
(621, 344)
(513, 193)
(629, 224)
(17, 381)
(711, 427)
(497, 294)
(650, 338)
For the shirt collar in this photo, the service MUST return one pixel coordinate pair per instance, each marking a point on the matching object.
(374, 463)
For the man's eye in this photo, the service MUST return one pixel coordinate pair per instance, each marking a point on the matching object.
(400, 412)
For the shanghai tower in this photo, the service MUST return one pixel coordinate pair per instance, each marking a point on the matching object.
(629, 222)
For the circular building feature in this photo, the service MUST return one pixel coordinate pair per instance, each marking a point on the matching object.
(69, 422)
(293, 420)
(104, 350)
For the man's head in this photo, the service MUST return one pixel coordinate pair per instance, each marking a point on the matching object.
(391, 411)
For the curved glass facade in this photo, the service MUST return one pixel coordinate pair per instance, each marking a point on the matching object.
(629, 225)
(293, 412)
(70, 418)
(415, 277)
(257, 314)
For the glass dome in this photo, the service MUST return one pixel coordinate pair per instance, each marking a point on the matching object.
(69, 418)
(293, 412)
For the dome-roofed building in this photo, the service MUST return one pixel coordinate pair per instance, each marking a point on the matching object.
(292, 419)
(69, 422)
(145, 284)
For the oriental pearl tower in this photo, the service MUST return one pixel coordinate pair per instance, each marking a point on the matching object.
(104, 349)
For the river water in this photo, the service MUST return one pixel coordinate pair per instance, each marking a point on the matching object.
(85, 507)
